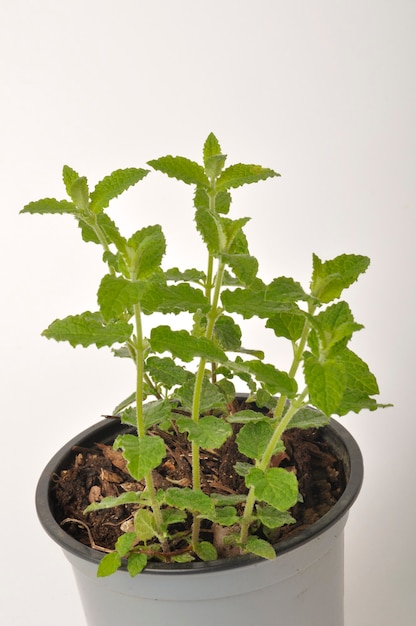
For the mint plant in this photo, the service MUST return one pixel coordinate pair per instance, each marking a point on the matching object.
(185, 380)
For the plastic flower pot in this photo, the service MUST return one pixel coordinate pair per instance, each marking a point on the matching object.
(304, 584)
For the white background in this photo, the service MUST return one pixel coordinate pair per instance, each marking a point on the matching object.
(323, 92)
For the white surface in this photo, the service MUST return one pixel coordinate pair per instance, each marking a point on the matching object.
(322, 91)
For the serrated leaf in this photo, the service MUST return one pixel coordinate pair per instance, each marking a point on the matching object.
(285, 289)
(166, 371)
(175, 299)
(157, 412)
(252, 301)
(142, 454)
(240, 174)
(205, 551)
(113, 185)
(182, 169)
(69, 176)
(253, 439)
(209, 432)
(50, 205)
(227, 333)
(128, 497)
(109, 564)
(87, 329)
(326, 382)
(116, 295)
(211, 396)
(192, 500)
(273, 379)
(125, 543)
(246, 416)
(335, 324)
(145, 525)
(275, 486)
(222, 200)
(259, 547)
(330, 278)
(136, 563)
(211, 147)
(208, 225)
(272, 518)
(149, 246)
(244, 266)
(184, 346)
(80, 193)
(191, 276)
(288, 324)
(214, 165)
(308, 417)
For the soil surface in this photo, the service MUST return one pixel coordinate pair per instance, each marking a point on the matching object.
(101, 471)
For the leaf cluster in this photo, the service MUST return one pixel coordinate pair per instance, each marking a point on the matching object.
(196, 368)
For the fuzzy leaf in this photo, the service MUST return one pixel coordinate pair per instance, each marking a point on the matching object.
(209, 227)
(205, 551)
(209, 432)
(113, 185)
(253, 438)
(188, 499)
(50, 205)
(274, 380)
(288, 324)
(182, 169)
(165, 371)
(244, 266)
(272, 518)
(87, 329)
(69, 176)
(330, 278)
(136, 563)
(246, 416)
(255, 300)
(174, 299)
(109, 564)
(335, 324)
(116, 295)
(211, 396)
(275, 486)
(326, 382)
(149, 246)
(240, 174)
(124, 543)
(145, 525)
(142, 454)
(211, 147)
(191, 276)
(259, 547)
(308, 417)
(184, 346)
(128, 497)
(227, 333)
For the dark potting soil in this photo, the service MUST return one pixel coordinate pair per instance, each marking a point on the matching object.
(101, 471)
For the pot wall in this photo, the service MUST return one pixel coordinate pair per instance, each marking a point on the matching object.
(304, 585)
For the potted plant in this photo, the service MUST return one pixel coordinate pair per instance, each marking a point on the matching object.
(196, 539)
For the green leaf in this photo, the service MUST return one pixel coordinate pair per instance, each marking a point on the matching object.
(182, 169)
(285, 289)
(184, 346)
(87, 329)
(205, 551)
(335, 324)
(125, 543)
(330, 278)
(274, 380)
(109, 564)
(116, 295)
(136, 563)
(50, 205)
(275, 486)
(211, 147)
(113, 185)
(190, 276)
(149, 246)
(142, 454)
(157, 412)
(214, 165)
(259, 547)
(246, 416)
(192, 500)
(326, 382)
(240, 174)
(227, 333)
(308, 417)
(244, 266)
(209, 432)
(224, 515)
(272, 518)
(288, 324)
(256, 300)
(165, 371)
(253, 438)
(128, 497)
(211, 396)
(145, 525)
(69, 176)
(222, 200)
(80, 194)
(209, 226)
(164, 298)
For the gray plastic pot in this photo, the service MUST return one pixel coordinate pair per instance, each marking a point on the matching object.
(304, 584)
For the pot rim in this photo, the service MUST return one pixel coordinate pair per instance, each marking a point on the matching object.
(341, 441)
